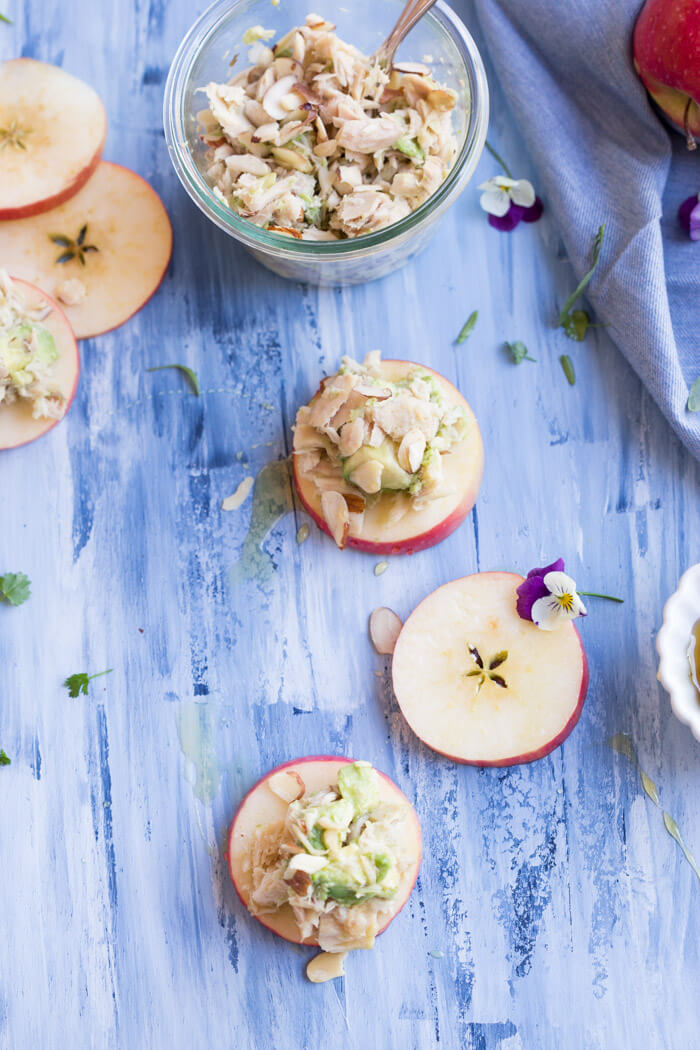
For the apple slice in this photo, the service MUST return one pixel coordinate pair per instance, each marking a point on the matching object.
(380, 532)
(52, 133)
(262, 806)
(127, 224)
(523, 706)
(17, 425)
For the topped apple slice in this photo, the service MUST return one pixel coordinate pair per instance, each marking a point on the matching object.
(102, 254)
(52, 132)
(325, 851)
(481, 685)
(387, 456)
(39, 363)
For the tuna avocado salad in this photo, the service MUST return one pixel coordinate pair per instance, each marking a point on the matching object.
(364, 437)
(316, 141)
(27, 353)
(336, 859)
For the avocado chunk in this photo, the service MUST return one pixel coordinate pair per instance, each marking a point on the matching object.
(359, 785)
(14, 355)
(393, 477)
(344, 879)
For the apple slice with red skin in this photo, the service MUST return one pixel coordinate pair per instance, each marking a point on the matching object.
(261, 807)
(17, 425)
(463, 467)
(128, 224)
(53, 133)
(666, 47)
(545, 674)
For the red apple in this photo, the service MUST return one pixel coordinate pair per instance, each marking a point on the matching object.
(484, 721)
(52, 133)
(261, 806)
(17, 425)
(416, 530)
(666, 47)
(128, 224)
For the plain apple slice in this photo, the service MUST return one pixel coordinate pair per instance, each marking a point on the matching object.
(127, 223)
(52, 133)
(545, 675)
(17, 425)
(262, 806)
(416, 530)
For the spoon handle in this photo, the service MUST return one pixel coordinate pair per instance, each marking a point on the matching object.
(412, 12)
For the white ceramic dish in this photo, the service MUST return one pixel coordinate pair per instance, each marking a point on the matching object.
(680, 614)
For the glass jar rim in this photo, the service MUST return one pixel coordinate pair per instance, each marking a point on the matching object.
(281, 244)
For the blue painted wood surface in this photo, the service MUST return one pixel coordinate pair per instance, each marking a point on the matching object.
(552, 909)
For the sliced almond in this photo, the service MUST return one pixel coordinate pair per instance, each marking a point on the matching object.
(325, 149)
(326, 967)
(289, 158)
(441, 98)
(306, 461)
(272, 99)
(368, 476)
(379, 393)
(411, 450)
(335, 513)
(333, 397)
(376, 436)
(239, 162)
(351, 437)
(287, 785)
(412, 67)
(307, 862)
(290, 232)
(384, 628)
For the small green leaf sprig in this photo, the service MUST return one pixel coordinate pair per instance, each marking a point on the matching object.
(189, 374)
(5, 759)
(73, 249)
(14, 588)
(78, 683)
(622, 743)
(577, 322)
(694, 397)
(467, 328)
(519, 352)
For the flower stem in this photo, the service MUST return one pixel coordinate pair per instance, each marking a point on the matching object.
(608, 597)
(499, 158)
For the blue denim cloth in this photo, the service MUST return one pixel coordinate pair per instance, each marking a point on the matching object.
(603, 154)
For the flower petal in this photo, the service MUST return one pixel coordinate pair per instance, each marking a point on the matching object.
(495, 201)
(694, 230)
(686, 209)
(523, 193)
(529, 591)
(559, 583)
(547, 614)
(534, 212)
(509, 221)
(556, 566)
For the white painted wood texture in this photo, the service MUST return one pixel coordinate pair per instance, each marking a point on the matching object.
(552, 909)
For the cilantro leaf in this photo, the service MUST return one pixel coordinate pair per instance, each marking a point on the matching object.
(190, 374)
(5, 759)
(4, 18)
(568, 365)
(694, 397)
(78, 683)
(573, 325)
(468, 327)
(14, 587)
(519, 352)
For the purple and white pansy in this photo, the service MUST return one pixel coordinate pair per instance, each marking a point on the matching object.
(509, 202)
(549, 597)
(689, 216)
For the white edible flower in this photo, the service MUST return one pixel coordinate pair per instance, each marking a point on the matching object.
(560, 605)
(500, 192)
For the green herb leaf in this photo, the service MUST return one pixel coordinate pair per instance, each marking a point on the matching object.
(4, 18)
(607, 597)
(14, 587)
(468, 327)
(576, 324)
(188, 372)
(694, 397)
(5, 759)
(519, 352)
(675, 833)
(622, 743)
(650, 788)
(78, 683)
(584, 282)
(568, 366)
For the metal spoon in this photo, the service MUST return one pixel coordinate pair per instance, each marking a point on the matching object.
(412, 12)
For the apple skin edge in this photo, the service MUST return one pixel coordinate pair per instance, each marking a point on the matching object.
(51, 423)
(259, 784)
(48, 203)
(551, 745)
(666, 53)
(413, 544)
